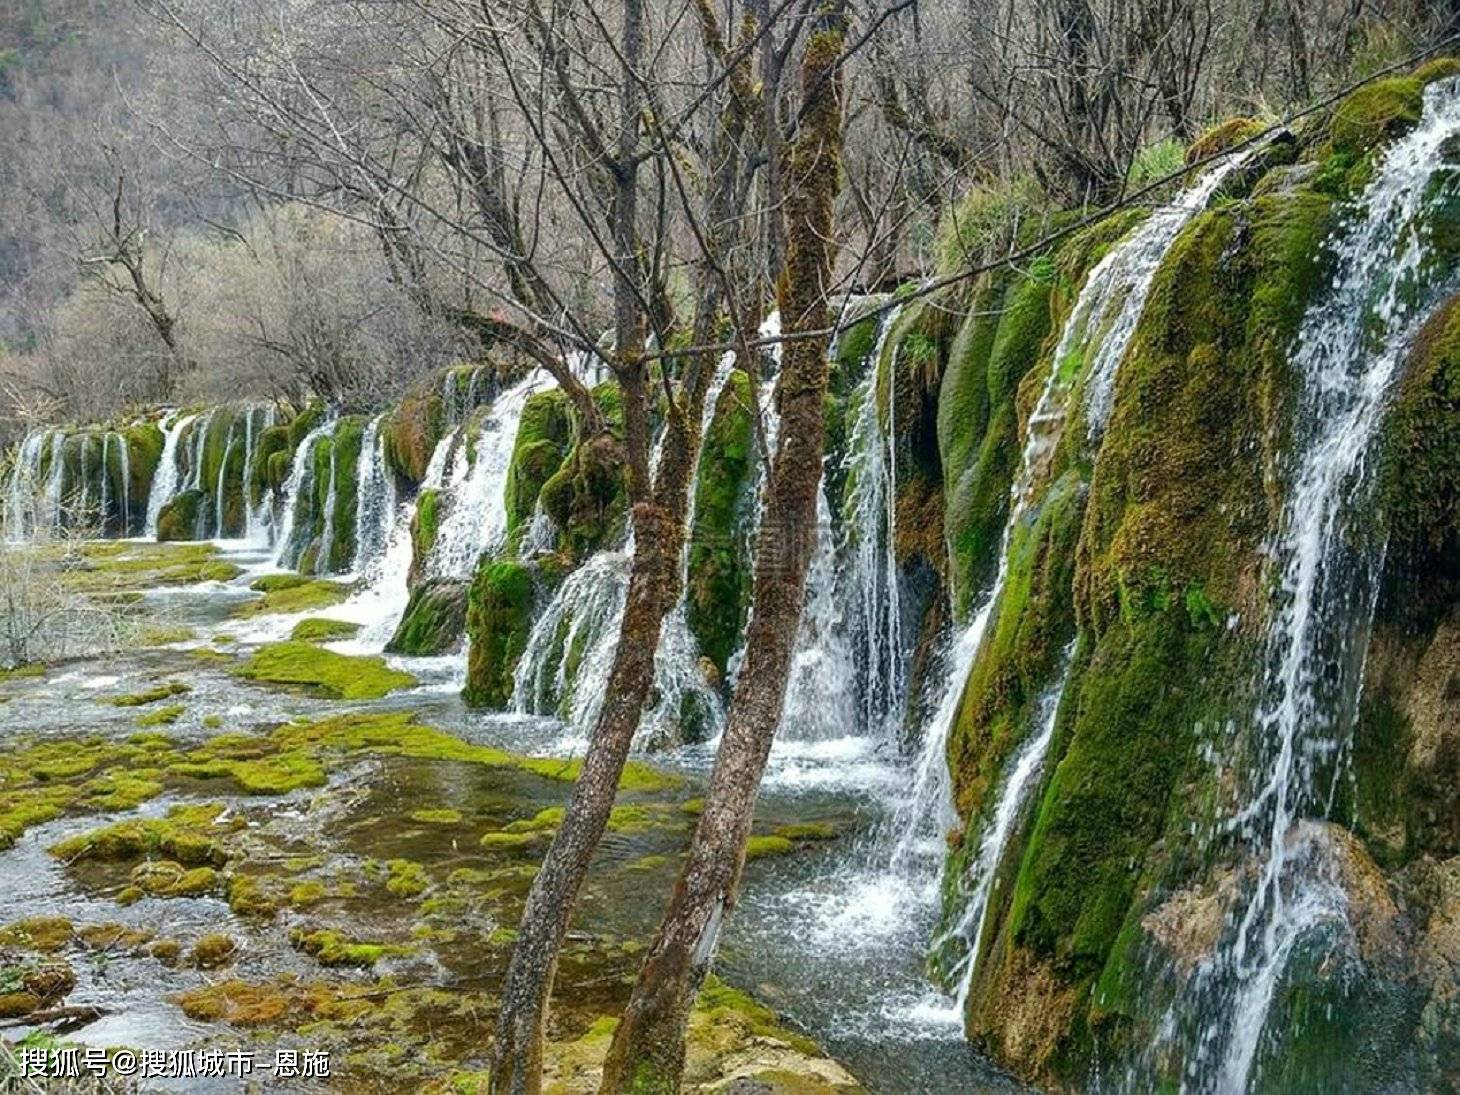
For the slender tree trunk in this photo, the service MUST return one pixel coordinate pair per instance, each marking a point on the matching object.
(647, 1054)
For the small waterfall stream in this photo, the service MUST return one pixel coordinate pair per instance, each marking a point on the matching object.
(301, 476)
(476, 521)
(165, 479)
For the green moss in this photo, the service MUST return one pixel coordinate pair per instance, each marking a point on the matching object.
(587, 496)
(398, 734)
(407, 879)
(424, 526)
(319, 629)
(45, 934)
(434, 619)
(411, 434)
(153, 695)
(271, 458)
(212, 951)
(304, 894)
(297, 595)
(1421, 454)
(339, 675)
(333, 949)
(762, 847)
(807, 830)
(978, 419)
(162, 716)
(250, 896)
(188, 835)
(498, 624)
(544, 435)
(182, 518)
(1376, 113)
(144, 443)
(345, 460)
(720, 567)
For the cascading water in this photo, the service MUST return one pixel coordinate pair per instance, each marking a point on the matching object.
(1014, 797)
(1328, 558)
(105, 486)
(124, 472)
(477, 519)
(56, 477)
(564, 668)
(375, 501)
(331, 500)
(165, 478)
(20, 513)
(288, 546)
(220, 490)
(890, 897)
(257, 518)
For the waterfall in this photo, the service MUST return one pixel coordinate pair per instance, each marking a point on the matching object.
(846, 659)
(257, 519)
(20, 515)
(105, 486)
(375, 500)
(221, 490)
(124, 468)
(1104, 318)
(331, 498)
(301, 475)
(57, 473)
(82, 502)
(165, 478)
(1010, 810)
(477, 519)
(198, 439)
(1347, 352)
(564, 668)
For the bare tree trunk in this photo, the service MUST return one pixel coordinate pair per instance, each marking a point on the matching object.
(647, 1054)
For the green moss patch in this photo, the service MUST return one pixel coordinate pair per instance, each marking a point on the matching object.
(339, 675)
(291, 593)
(320, 629)
(498, 623)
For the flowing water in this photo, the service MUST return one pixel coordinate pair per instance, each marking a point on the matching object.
(289, 544)
(476, 521)
(1347, 352)
(165, 479)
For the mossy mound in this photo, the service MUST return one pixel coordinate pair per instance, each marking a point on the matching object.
(498, 623)
(434, 619)
(425, 524)
(544, 436)
(291, 593)
(338, 675)
(412, 433)
(321, 629)
(718, 593)
(587, 496)
(183, 517)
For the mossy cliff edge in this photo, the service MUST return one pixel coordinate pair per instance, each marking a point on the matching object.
(1139, 579)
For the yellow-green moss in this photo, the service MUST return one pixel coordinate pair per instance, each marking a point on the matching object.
(339, 675)
(762, 847)
(498, 623)
(153, 695)
(212, 951)
(319, 629)
(292, 593)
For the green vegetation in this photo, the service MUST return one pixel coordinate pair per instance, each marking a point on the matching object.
(544, 436)
(338, 675)
(153, 695)
(720, 570)
(291, 593)
(320, 629)
(498, 623)
(434, 619)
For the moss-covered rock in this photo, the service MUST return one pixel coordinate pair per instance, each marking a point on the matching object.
(425, 524)
(434, 619)
(587, 496)
(183, 517)
(718, 593)
(338, 675)
(412, 433)
(320, 629)
(1168, 594)
(144, 442)
(544, 436)
(290, 593)
(498, 623)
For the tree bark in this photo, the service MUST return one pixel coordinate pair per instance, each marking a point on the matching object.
(647, 1053)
